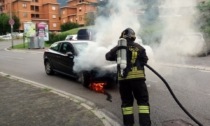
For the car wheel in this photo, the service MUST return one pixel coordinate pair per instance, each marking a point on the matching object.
(84, 79)
(48, 68)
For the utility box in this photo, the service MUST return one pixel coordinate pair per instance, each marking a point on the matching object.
(42, 34)
(30, 33)
(33, 43)
(35, 34)
(41, 42)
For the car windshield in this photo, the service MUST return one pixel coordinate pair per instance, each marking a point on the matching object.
(80, 46)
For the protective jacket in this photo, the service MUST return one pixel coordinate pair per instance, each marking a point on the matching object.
(136, 57)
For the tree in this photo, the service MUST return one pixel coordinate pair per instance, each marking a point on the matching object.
(4, 23)
(68, 26)
(204, 8)
(205, 21)
(17, 23)
(90, 18)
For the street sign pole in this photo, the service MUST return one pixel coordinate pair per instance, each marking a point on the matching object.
(11, 22)
(12, 35)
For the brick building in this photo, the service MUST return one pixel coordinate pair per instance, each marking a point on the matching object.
(77, 10)
(36, 11)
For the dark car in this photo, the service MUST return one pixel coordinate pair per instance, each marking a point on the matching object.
(60, 56)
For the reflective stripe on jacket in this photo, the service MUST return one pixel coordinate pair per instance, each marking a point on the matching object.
(134, 67)
(133, 74)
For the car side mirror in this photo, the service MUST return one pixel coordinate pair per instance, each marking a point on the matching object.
(70, 54)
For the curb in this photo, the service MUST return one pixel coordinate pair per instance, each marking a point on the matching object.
(107, 121)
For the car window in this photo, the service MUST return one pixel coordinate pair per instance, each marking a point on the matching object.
(55, 46)
(66, 47)
(79, 47)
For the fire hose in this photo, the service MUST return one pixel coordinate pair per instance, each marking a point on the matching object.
(122, 63)
(173, 95)
(109, 96)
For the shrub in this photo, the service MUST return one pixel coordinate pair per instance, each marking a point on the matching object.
(68, 26)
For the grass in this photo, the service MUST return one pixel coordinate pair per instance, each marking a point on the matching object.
(25, 46)
(75, 30)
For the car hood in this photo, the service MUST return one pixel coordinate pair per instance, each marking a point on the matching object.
(110, 70)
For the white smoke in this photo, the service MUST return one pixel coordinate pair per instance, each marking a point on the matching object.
(108, 30)
(180, 35)
(179, 31)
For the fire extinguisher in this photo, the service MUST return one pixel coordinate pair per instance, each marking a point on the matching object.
(122, 56)
(121, 61)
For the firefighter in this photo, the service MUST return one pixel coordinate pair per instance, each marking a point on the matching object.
(132, 82)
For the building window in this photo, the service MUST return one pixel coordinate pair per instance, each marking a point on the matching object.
(54, 25)
(80, 9)
(64, 12)
(34, 15)
(24, 5)
(53, 8)
(53, 16)
(81, 1)
(35, 8)
(35, 1)
(25, 15)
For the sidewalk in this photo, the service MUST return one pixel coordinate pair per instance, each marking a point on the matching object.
(22, 104)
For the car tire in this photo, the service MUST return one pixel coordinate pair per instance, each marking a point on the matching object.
(48, 68)
(84, 79)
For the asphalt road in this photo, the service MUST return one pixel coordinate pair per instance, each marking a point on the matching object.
(189, 82)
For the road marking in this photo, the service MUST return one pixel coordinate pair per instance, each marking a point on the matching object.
(203, 68)
(204, 71)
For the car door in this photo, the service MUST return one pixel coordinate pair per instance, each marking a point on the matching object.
(53, 55)
(67, 59)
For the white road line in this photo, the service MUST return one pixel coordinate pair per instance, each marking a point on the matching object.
(203, 68)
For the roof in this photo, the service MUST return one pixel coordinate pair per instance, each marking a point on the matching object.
(51, 3)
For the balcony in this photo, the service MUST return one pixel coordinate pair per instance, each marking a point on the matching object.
(35, 8)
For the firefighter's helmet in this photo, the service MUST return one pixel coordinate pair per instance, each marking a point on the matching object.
(128, 33)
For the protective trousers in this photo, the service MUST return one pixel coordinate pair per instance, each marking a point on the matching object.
(130, 89)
